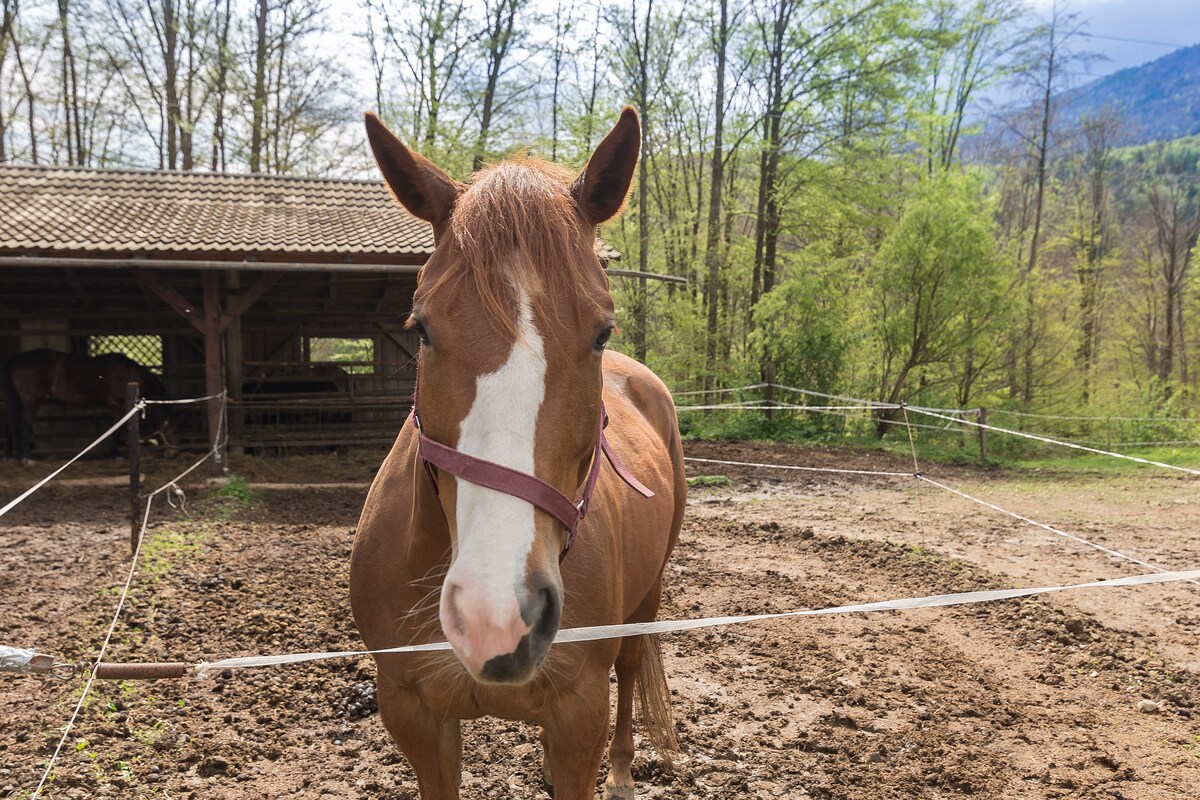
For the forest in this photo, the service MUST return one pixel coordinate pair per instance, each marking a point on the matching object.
(885, 199)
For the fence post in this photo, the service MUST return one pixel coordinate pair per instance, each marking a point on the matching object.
(768, 374)
(133, 433)
(982, 414)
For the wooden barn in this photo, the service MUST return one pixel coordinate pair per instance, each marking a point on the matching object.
(290, 293)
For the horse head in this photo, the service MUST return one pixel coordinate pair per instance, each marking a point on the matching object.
(513, 312)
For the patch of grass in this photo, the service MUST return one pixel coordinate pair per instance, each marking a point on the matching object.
(237, 489)
(165, 544)
(148, 736)
(1072, 460)
(234, 498)
(704, 481)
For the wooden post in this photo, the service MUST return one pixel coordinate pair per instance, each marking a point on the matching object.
(768, 374)
(133, 432)
(212, 323)
(212, 358)
(982, 434)
(233, 366)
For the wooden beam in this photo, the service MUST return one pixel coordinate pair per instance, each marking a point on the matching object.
(234, 371)
(239, 304)
(168, 295)
(212, 357)
(133, 434)
(396, 340)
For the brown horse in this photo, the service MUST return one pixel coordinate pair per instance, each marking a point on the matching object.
(31, 378)
(513, 310)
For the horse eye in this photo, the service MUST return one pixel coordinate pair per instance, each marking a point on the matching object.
(419, 329)
(602, 338)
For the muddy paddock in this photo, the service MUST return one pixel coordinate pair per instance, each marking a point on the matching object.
(1090, 694)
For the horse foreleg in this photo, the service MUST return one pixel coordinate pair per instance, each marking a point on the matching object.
(547, 759)
(619, 784)
(574, 740)
(25, 433)
(432, 744)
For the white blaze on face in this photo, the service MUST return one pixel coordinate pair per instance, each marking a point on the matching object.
(496, 530)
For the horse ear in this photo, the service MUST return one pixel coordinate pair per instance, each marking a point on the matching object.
(419, 185)
(603, 186)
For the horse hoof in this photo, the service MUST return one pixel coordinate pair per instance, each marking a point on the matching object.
(549, 788)
(27, 462)
(612, 792)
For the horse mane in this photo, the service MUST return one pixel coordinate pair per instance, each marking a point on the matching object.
(518, 217)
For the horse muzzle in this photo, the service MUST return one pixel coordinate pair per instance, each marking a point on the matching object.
(501, 640)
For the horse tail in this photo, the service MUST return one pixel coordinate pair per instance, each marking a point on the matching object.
(12, 410)
(654, 700)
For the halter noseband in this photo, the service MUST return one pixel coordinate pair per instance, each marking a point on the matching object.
(529, 488)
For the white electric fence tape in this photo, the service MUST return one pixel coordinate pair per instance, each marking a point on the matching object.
(931, 413)
(796, 468)
(1093, 418)
(1050, 528)
(205, 669)
(115, 427)
(19, 660)
(186, 401)
(214, 453)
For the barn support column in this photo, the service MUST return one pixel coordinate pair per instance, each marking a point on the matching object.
(213, 368)
(233, 367)
(212, 322)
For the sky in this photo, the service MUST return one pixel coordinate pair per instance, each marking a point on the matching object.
(1173, 23)
(1161, 25)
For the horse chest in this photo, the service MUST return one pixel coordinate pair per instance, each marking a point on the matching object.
(460, 697)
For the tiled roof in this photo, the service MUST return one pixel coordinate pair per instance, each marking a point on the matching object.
(103, 211)
(118, 211)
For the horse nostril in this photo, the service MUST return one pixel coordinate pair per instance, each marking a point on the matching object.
(454, 618)
(547, 622)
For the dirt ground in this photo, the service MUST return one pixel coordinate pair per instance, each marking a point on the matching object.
(1036, 698)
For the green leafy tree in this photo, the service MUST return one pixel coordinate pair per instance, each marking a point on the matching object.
(936, 286)
(801, 326)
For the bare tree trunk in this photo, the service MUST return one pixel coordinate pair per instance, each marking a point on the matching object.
(640, 310)
(1042, 150)
(8, 18)
(1176, 224)
(170, 43)
(760, 213)
(73, 137)
(221, 87)
(500, 35)
(767, 221)
(1062, 27)
(435, 35)
(712, 245)
(1092, 242)
(275, 162)
(258, 117)
(29, 96)
(595, 85)
(561, 25)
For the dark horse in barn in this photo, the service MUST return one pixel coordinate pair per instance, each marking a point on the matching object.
(31, 378)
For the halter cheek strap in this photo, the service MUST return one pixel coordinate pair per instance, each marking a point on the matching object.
(524, 486)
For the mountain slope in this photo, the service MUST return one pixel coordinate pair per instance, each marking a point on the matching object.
(1159, 100)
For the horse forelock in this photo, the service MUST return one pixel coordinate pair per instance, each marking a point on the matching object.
(517, 232)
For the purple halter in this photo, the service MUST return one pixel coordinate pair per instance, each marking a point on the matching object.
(529, 488)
